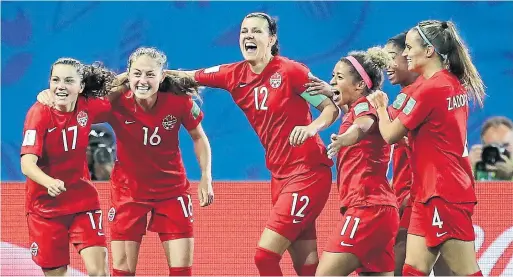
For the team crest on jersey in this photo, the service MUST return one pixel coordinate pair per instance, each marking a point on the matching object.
(82, 118)
(111, 214)
(275, 80)
(34, 248)
(169, 122)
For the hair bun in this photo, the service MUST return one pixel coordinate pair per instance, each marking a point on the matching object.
(444, 25)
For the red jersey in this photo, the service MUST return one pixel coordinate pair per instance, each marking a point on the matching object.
(60, 141)
(273, 104)
(402, 176)
(149, 161)
(362, 167)
(436, 114)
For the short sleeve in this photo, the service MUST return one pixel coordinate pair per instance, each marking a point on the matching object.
(34, 130)
(298, 77)
(99, 109)
(216, 76)
(192, 114)
(364, 109)
(417, 108)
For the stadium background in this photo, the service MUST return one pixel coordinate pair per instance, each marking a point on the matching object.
(201, 34)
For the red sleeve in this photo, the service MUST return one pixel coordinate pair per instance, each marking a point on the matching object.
(364, 109)
(216, 77)
(192, 114)
(99, 109)
(418, 107)
(34, 130)
(298, 76)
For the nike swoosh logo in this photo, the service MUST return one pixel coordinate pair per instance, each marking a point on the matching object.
(101, 234)
(345, 244)
(52, 129)
(440, 235)
(296, 221)
(241, 85)
(129, 122)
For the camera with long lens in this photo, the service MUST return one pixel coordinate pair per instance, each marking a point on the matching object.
(491, 154)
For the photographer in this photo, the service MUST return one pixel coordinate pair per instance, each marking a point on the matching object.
(492, 159)
(100, 153)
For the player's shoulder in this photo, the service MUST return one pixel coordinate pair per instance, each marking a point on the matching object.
(39, 109)
(442, 81)
(291, 65)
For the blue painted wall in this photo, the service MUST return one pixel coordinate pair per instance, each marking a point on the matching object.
(200, 34)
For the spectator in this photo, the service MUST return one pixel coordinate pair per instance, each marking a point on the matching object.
(100, 152)
(496, 137)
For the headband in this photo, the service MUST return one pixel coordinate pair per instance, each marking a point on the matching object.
(361, 71)
(426, 40)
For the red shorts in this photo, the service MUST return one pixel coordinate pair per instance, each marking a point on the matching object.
(50, 237)
(439, 221)
(170, 218)
(405, 217)
(368, 233)
(297, 202)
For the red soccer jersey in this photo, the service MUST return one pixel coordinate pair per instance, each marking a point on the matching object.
(273, 104)
(149, 161)
(60, 141)
(362, 167)
(402, 176)
(436, 115)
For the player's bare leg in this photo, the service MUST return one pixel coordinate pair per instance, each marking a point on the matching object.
(60, 271)
(270, 249)
(441, 268)
(305, 257)
(419, 257)
(179, 254)
(95, 260)
(460, 256)
(125, 255)
(337, 264)
(400, 251)
(391, 273)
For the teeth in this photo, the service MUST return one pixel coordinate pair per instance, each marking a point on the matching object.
(250, 44)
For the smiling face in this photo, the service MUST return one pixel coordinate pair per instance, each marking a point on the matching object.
(65, 84)
(415, 52)
(145, 76)
(344, 82)
(397, 71)
(255, 40)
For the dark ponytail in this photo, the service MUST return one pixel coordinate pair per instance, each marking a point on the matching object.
(444, 37)
(96, 79)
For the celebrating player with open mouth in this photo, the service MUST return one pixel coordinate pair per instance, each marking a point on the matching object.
(270, 90)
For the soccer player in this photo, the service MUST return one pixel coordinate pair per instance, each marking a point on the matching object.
(270, 90)
(402, 176)
(364, 239)
(436, 114)
(149, 175)
(62, 204)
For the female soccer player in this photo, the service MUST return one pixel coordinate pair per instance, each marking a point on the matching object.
(149, 175)
(364, 238)
(402, 176)
(436, 114)
(270, 90)
(62, 204)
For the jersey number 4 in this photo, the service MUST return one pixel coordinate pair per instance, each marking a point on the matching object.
(260, 105)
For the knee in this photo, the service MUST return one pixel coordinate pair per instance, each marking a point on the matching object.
(99, 270)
